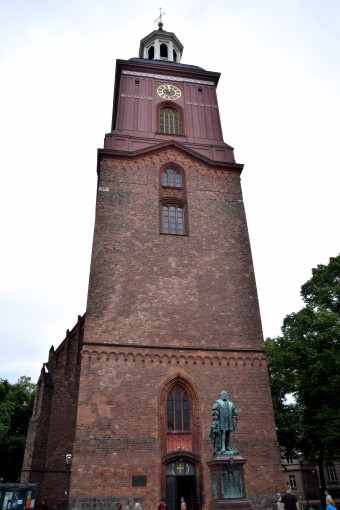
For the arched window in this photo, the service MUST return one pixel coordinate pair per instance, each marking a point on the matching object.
(170, 121)
(172, 218)
(174, 55)
(151, 53)
(178, 410)
(163, 51)
(171, 178)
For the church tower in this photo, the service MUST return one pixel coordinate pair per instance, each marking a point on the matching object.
(172, 314)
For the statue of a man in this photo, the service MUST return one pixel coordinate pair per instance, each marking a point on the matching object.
(224, 421)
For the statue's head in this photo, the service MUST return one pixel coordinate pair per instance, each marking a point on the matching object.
(224, 395)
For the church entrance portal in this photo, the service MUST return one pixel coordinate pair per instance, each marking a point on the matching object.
(181, 483)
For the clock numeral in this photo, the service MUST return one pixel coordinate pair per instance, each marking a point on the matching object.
(168, 91)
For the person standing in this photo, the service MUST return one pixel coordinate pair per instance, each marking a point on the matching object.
(162, 505)
(289, 500)
(183, 504)
(330, 503)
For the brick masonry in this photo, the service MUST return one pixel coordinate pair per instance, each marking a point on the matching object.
(162, 309)
(196, 290)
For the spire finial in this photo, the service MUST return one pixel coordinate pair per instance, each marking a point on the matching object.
(160, 19)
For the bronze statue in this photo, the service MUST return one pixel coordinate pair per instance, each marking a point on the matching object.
(224, 421)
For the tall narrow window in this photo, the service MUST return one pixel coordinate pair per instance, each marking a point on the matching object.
(178, 411)
(170, 121)
(174, 55)
(171, 178)
(163, 51)
(331, 472)
(172, 219)
(151, 53)
(292, 482)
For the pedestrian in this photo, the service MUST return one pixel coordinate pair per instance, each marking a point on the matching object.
(277, 500)
(289, 500)
(330, 503)
(162, 505)
(183, 504)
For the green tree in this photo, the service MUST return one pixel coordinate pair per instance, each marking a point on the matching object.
(305, 361)
(16, 403)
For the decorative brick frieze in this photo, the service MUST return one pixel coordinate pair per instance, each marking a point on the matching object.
(167, 357)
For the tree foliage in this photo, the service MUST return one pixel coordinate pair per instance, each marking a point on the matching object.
(305, 362)
(16, 403)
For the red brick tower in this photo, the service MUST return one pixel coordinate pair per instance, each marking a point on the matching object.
(172, 315)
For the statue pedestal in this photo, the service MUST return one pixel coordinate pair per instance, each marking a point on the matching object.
(227, 483)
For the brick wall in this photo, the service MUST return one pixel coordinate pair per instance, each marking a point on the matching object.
(119, 430)
(52, 426)
(148, 288)
(161, 307)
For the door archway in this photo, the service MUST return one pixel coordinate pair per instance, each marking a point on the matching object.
(181, 482)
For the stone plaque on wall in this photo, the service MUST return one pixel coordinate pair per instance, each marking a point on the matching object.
(139, 481)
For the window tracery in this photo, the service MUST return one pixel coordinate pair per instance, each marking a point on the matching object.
(170, 121)
(178, 410)
(173, 202)
(172, 219)
(171, 178)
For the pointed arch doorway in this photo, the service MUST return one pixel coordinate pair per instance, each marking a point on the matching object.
(181, 482)
(180, 433)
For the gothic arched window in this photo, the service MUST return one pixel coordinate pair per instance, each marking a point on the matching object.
(172, 218)
(163, 51)
(178, 410)
(170, 121)
(151, 53)
(171, 178)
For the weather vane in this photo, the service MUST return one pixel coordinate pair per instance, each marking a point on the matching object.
(159, 19)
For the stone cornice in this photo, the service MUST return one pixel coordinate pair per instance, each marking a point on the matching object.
(168, 77)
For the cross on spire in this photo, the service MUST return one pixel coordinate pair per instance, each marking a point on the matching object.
(160, 18)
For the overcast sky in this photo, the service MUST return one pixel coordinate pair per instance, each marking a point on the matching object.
(279, 98)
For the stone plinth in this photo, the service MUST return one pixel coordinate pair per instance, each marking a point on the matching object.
(227, 484)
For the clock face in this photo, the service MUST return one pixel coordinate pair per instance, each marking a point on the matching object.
(169, 92)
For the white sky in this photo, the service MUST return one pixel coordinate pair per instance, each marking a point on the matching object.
(279, 99)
